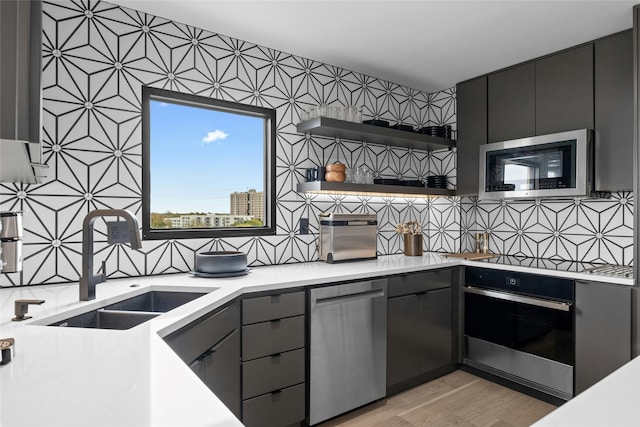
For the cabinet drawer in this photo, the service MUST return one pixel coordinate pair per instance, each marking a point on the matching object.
(271, 307)
(190, 342)
(272, 373)
(413, 283)
(276, 336)
(276, 409)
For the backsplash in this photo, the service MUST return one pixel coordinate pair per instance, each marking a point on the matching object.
(591, 230)
(97, 56)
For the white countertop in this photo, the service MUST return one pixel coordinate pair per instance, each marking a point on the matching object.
(75, 376)
(612, 402)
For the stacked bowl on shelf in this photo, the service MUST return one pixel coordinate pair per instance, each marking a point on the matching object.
(437, 181)
(440, 131)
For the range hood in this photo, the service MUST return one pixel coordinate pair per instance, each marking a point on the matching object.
(20, 91)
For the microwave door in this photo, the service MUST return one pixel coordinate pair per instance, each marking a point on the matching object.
(553, 162)
(521, 173)
(554, 165)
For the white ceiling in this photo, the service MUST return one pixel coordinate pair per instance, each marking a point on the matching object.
(426, 45)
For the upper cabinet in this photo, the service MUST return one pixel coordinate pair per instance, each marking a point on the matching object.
(20, 89)
(472, 132)
(511, 103)
(552, 94)
(589, 86)
(614, 112)
(564, 91)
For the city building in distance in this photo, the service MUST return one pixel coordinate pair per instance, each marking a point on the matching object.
(249, 203)
(246, 210)
(211, 220)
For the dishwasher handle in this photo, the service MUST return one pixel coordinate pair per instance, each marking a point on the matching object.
(375, 293)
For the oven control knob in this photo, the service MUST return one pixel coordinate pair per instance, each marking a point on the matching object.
(513, 281)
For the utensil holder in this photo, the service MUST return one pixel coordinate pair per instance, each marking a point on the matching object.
(413, 244)
(482, 243)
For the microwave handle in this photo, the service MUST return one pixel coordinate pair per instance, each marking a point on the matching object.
(555, 305)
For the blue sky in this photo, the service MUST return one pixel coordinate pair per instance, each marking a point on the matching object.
(200, 156)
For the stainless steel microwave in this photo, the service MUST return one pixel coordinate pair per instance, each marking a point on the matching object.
(555, 165)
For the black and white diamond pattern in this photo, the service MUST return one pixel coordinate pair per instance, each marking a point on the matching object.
(96, 58)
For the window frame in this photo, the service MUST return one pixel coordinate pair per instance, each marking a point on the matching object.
(269, 115)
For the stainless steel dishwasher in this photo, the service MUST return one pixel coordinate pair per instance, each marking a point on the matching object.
(348, 360)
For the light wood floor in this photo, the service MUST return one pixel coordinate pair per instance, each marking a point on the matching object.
(457, 399)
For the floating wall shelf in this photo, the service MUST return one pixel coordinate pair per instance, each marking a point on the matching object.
(325, 126)
(341, 188)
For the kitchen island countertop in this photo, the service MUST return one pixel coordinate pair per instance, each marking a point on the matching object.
(74, 376)
(613, 401)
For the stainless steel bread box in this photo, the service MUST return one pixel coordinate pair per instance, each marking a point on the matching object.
(347, 237)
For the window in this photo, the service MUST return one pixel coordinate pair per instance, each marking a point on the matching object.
(208, 167)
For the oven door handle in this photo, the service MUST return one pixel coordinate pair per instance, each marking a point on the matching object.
(555, 305)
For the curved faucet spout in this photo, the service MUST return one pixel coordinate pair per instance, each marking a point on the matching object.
(88, 281)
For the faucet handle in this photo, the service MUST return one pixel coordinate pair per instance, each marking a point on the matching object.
(22, 306)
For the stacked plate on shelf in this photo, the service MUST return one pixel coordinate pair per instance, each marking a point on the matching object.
(440, 131)
(437, 181)
(399, 126)
(375, 122)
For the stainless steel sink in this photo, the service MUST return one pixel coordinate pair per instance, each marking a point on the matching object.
(155, 301)
(132, 311)
(106, 319)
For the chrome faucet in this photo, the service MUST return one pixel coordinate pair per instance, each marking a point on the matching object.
(88, 281)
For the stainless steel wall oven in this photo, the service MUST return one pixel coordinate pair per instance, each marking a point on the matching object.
(520, 326)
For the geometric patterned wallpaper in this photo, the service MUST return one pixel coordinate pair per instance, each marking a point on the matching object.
(589, 231)
(97, 57)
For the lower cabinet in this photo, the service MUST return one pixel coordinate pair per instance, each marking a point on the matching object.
(602, 331)
(273, 360)
(279, 408)
(252, 352)
(420, 336)
(219, 369)
(210, 346)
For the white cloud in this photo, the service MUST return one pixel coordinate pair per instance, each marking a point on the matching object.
(215, 136)
(163, 104)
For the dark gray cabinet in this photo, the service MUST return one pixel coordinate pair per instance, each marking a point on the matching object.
(404, 344)
(614, 112)
(564, 91)
(219, 369)
(511, 103)
(211, 347)
(273, 360)
(551, 94)
(420, 336)
(602, 331)
(472, 132)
